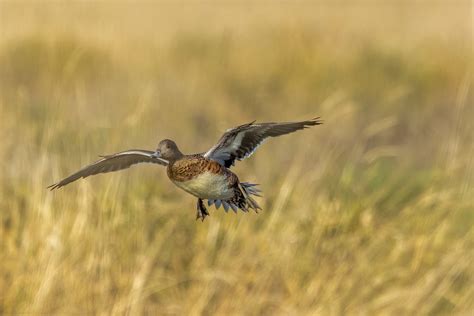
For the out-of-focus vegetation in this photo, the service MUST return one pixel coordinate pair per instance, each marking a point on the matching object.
(371, 213)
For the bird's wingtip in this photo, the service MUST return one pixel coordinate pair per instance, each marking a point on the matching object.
(317, 120)
(313, 122)
(53, 186)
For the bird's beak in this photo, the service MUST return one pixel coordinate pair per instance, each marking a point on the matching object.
(156, 154)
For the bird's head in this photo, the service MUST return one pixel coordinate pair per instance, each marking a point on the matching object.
(167, 149)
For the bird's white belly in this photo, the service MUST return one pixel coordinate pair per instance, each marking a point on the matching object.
(207, 186)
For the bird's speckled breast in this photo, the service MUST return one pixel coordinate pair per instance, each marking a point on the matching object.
(202, 177)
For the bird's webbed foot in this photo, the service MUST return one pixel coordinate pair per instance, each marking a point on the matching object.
(201, 210)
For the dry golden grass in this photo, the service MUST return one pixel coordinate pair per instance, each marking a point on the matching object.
(371, 213)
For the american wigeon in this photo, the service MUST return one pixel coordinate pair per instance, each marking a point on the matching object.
(205, 175)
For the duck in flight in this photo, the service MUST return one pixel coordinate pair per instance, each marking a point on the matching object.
(207, 175)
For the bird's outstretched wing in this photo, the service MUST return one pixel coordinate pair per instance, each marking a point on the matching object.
(109, 163)
(242, 141)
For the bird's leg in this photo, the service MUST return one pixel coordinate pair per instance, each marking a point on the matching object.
(201, 210)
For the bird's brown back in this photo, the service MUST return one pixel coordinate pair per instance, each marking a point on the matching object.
(191, 166)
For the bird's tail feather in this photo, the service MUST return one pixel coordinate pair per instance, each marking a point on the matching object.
(251, 189)
(241, 200)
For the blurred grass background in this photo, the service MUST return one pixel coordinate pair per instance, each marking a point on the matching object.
(371, 213)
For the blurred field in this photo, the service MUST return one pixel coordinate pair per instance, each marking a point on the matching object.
(370, 213)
